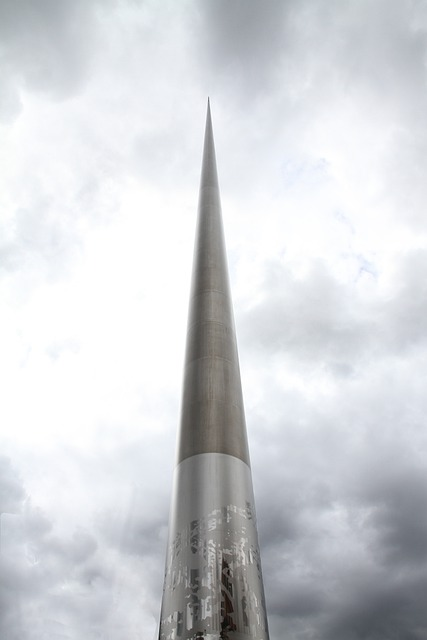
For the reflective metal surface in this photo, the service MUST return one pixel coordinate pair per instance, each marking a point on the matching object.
(212, 415)
(213, 582)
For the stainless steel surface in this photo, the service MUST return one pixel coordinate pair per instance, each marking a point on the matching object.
(212, 415)
(213, 583)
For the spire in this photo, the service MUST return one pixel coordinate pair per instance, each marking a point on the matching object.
(212, 415)
(213, 584)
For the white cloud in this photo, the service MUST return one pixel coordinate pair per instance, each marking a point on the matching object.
(319, 118)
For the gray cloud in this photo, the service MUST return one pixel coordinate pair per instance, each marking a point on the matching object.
(398, 499)
(377, 585)
(321, 104)
(36, 561)
(347, 515)
(318, 318)
(12, 492)
(405, 311)
(46, 46)
(244, 42)
(381, 608)
(312, 315)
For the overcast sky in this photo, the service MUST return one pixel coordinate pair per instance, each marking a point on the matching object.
(320, 120)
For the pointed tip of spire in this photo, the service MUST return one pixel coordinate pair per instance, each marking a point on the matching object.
(208, 130)
(209, 173)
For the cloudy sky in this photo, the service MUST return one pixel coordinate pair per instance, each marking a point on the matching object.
(320, 120)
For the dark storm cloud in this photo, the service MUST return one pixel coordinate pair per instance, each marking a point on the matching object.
(352, 569)
(12, 580)
(396, 497)
(36, 561)
(380, 608)
(340, 486)
(348, 522)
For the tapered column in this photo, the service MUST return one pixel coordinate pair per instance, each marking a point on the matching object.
(213, 584)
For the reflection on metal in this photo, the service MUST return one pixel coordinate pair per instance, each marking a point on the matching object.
(212, 413)
(213, 584)
(213, 581)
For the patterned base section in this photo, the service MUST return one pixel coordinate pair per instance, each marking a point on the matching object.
(213, 582)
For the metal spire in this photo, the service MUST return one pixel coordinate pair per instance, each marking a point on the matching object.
(213, 584)
(212, 416)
